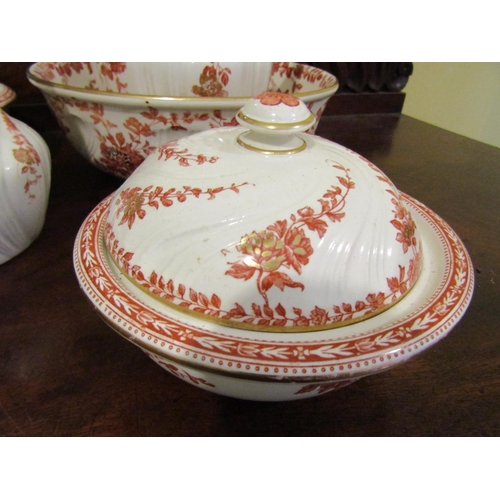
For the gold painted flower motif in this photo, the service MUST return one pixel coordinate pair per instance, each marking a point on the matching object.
(263, 250)
(266, 255)
(213, 79)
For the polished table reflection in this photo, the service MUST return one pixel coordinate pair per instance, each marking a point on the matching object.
(64, 372)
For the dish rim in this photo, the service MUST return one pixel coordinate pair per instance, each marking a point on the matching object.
(205, 349)
(68, 89)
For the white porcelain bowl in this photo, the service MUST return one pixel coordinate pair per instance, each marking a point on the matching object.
(262, 262)
(116, 114)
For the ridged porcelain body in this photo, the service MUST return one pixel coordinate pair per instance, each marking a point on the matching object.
(116, 114)
(25, 172)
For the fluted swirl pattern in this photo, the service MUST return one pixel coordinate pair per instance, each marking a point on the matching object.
(267, 242)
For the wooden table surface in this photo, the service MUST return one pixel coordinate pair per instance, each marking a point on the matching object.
(63, 372)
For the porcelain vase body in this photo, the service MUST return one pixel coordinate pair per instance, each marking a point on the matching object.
(25, 172)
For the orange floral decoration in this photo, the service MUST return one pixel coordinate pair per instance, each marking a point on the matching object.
(266, 255)
(275, 98)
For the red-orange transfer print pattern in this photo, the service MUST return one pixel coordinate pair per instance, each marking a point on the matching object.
(26, 155)
(268, 256)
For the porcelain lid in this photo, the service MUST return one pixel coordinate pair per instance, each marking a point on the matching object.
(264, 227)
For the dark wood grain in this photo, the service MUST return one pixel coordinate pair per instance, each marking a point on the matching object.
(13, 74)
(63, 372)
(355, 77)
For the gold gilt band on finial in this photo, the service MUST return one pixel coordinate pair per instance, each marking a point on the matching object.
(297, 149)
(277, 126)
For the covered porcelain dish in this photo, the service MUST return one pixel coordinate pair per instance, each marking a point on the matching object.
(277, 231)
(263, 262)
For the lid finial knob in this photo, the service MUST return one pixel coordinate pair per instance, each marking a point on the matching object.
(274, 119)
